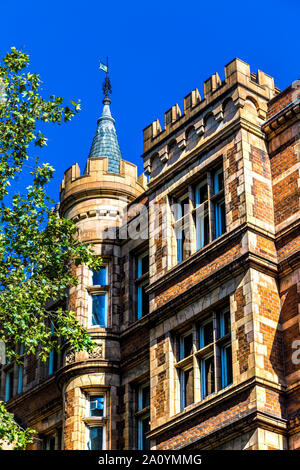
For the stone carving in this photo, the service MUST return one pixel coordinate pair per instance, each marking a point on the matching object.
(97, 352)
(70, 357)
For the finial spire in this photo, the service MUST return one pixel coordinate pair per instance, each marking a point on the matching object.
(106, 85)
(105, 143)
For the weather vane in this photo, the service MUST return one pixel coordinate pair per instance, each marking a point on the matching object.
(106, 84)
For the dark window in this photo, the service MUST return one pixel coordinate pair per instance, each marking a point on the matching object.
(208, 376)
(186, 345)
(187, 387)
(96, 438)
(206, 334)
(143, 417)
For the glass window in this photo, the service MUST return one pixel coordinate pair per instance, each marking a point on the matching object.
(218, 180)
(143, 429)
(220, 217)
(201, 193)
(186, 387)
(143, 420)
(207, 376)
(226, 363)
(95, 438)
(225, 326)
(186, 345)
(145, 396)
(20, 379)
(206, 334)
(202, 227)
(181, 206)
(99, 309)
(142, 296)
(96, 405)
(9, 385)
(143, 264)
(100, 278)
(53, 357)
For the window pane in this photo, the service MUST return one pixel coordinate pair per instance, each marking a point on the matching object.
(97, 406)
(20, 379)
(100, 277)
(206, 334)
(145, 264)
(186, 346)
(96, 438)
(201, 194)
(99, 310)
(184, 206)
(180, 241)
(229, 364)
(188, 387)
(225, 326)
(220, 218)
(145, 396)
(181, 207)
(145, 430)
(143, 301)
(202, 229)
(209, 386)
(226, 358)
(218, 180)
(9, 386)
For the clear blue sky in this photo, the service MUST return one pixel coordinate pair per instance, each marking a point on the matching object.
(159, 51)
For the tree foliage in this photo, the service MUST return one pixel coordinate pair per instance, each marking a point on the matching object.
(37, 247)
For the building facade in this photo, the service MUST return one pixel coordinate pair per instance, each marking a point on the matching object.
(195, 310)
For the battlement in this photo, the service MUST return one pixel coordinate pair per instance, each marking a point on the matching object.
(97, 181)
(237, 74)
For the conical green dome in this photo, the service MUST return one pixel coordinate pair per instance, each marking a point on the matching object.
(105, 143)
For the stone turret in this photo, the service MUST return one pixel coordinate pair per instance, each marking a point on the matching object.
(96, 202)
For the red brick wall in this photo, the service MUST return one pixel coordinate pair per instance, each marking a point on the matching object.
(196, 273)
(209, 421)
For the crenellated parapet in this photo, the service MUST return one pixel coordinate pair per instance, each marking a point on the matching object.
(242, 94)
(97, 182)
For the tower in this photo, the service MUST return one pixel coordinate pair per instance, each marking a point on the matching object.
(96, 201)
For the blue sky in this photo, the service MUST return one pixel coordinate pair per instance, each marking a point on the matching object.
(159, 51)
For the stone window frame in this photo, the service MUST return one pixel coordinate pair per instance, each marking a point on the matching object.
(99, 290)
(189, 221)
(96, 421)
(200, 354)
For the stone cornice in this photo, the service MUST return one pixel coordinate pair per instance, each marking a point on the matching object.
(86, 367)
(281, 120)
(76, 197)
(214, 400)
(214, 247)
